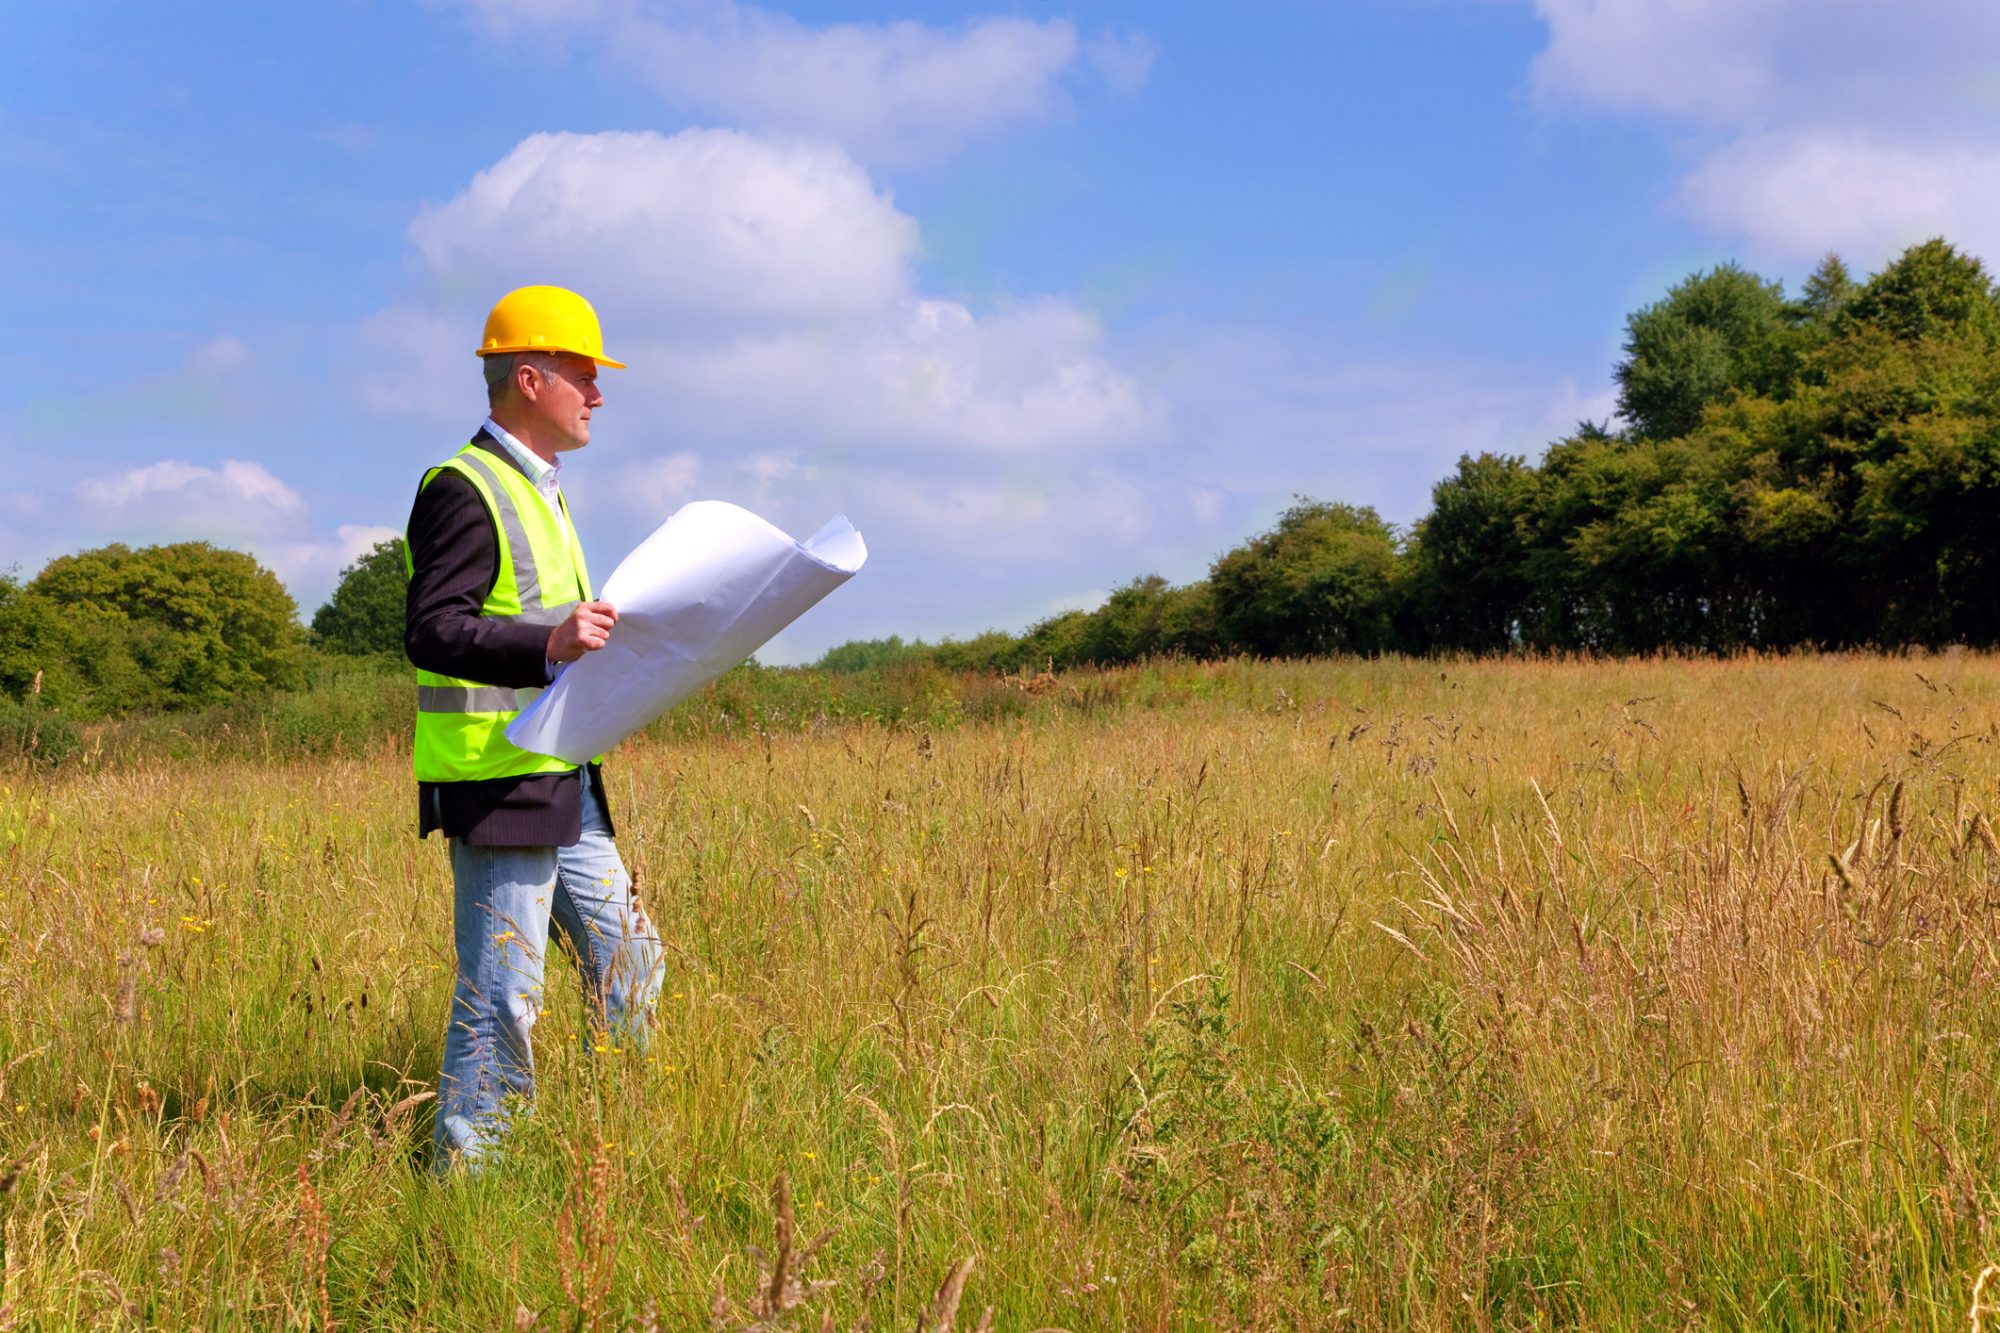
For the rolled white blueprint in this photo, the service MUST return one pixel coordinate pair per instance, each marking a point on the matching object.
(707, 589)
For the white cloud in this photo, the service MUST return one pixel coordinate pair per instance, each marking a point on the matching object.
(1789, 190)
(892, 92)
(659, 485)
(1811, 124)
(764, 294)
(232, 502)
(925, 375)
(711, 225)
(1750, 64)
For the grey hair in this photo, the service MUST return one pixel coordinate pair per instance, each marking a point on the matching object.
(499, 370)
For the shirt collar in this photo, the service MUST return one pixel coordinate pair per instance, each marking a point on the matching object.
(539, 473)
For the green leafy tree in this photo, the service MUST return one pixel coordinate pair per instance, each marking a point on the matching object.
(37, 647)
(1827, 292)
(1717, 332)
(1188, 624)
(174, 626)
(365, 615)
(1469, 586)
(1929, 290)
(1321, 581)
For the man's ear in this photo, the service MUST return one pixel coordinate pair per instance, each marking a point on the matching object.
(527, 381)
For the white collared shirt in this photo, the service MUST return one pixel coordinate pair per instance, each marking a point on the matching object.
(545, 477)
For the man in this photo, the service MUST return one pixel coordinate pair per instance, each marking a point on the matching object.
(499, 597)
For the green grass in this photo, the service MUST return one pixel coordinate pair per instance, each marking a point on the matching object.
(1372, 995)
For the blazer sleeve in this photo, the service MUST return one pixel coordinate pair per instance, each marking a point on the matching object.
(455, 558)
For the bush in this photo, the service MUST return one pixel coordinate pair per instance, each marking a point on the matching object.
(37, 734)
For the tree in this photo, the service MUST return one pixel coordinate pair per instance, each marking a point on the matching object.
(1468, 559)
(1716, 332)
(1319, 582)
(365, 615)
(1930, 290)
(1827, 292)
(174, 626)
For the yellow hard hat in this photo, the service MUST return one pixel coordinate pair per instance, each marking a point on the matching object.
(545, 319)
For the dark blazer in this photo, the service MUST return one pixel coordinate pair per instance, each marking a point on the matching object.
(455, 557)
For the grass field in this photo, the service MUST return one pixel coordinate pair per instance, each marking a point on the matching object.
(1652, 994)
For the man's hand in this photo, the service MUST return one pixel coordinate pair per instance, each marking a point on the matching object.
(587, 629)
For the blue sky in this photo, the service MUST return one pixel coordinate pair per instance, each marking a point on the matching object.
(1042, 298)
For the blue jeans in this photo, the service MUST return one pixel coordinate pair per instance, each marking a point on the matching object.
(504, 901)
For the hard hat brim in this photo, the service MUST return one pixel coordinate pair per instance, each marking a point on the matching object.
(566, 351)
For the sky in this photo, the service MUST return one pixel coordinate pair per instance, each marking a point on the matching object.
(1042, 298)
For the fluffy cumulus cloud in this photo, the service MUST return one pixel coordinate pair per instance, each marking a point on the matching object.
(766, 290)
(1813, 124)
(891, 92)
(1787, 190)
(713, 225)
(235, 501)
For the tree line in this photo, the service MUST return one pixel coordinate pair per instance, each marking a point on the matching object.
(1783, 471)
(119, 630)
(1819, 470)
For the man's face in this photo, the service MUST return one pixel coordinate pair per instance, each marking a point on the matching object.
(562, 397)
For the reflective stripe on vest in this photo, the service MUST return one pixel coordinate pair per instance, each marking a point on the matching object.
(473, 698)
(461, 724)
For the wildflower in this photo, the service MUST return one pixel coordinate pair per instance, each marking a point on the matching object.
(810, 1156)
(1121, 872)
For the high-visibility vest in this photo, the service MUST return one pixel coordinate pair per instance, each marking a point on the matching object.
(462, 724)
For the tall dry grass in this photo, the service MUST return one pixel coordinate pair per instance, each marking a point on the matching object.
(1649, 994)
